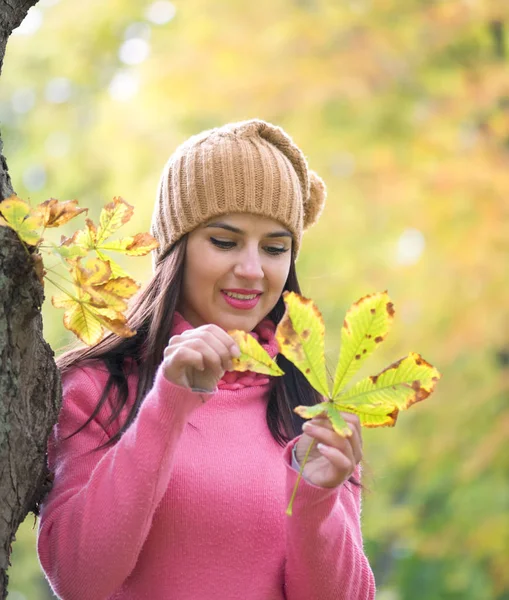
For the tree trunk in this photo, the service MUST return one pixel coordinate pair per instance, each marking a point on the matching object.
(30, 391)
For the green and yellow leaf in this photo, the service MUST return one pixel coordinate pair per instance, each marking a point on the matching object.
(112, 217)
(329, 410)
(84, 238)
(308, 412)
(366, 325)
(78, 319)
(252, 356)
(18, 215)
(379, 398)
(68, 252)
(300, 335)
(139, 245)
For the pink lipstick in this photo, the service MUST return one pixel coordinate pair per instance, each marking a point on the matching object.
(241, 303)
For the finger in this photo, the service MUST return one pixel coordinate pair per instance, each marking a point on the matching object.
(212, 360)
(219, 346)
(353, 420)
(181, 358)
(224, 337)
(339, 461)
(325, 435)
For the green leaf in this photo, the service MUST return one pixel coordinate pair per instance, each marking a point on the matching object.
(366, 325)
(300, 335)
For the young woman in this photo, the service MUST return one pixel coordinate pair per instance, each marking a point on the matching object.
(173, 472)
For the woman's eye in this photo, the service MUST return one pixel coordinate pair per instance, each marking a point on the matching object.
(226, 245)
(275, 250)
(222, 243)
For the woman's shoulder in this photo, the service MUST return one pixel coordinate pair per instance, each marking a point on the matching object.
(87, 375)
(83, 388)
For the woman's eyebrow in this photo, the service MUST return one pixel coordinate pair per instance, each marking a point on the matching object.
(273, 234)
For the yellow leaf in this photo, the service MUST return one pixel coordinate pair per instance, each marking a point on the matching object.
(94, 272)
(113, 216)
(113, 292)
(379, 398)
(116, 269)
(139, 245)
(54, 213)
(114, 321)
(300, 335)
(18, 215)
(83, 238)
(78, 319)
(252, 356)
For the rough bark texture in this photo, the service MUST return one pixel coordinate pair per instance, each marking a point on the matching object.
(30, 391)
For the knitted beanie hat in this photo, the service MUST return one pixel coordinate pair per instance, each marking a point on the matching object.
(250, 166)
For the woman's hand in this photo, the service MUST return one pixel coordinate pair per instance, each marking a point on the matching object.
(198, 358)
(337, 461)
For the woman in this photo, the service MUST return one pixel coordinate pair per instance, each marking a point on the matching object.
(172, 472)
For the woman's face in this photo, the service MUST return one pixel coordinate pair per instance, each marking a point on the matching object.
(235, 268)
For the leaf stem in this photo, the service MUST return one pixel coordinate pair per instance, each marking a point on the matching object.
(62, 289)
(290, 505)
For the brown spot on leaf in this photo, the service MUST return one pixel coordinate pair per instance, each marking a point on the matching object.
(306, 333)
(369, 336)
(373, 379)
(421, 361)
(379, 339)
(357, 356)
(346, 326)
(372, 311)
(308, 371)
(364, 351)
(390, 309)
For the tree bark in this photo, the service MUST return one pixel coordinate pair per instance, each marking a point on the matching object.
(30, 390)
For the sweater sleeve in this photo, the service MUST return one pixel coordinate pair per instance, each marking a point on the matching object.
(96, 518)
(325, 559)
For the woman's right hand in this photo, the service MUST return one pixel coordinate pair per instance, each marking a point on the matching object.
(199, 357)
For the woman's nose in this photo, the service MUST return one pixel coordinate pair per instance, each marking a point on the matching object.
(249, 266)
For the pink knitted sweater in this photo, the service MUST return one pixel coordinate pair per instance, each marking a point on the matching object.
(190, 505)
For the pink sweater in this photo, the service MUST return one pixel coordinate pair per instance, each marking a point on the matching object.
(190, 505)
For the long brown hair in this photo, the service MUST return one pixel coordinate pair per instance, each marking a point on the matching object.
(151, 315)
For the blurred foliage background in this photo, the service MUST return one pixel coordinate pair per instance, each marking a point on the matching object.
(403, 109)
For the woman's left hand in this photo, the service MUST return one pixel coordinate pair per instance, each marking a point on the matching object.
(337, 461)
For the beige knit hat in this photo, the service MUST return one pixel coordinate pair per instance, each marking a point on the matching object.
(250, 166)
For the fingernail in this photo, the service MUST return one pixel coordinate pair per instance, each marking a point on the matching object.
(307, 425)
(235, 350)
(322, 447)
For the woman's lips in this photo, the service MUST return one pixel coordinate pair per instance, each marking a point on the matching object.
(239, 303)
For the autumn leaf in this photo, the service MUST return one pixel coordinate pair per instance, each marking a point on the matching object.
(112, 217)
(252, 356)
(94, 278)
(19, 216)
(87, 321)
(55, 213)
(378, 399)
(67, 251)
(366, 325)
(78, 319)
(300, 335)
